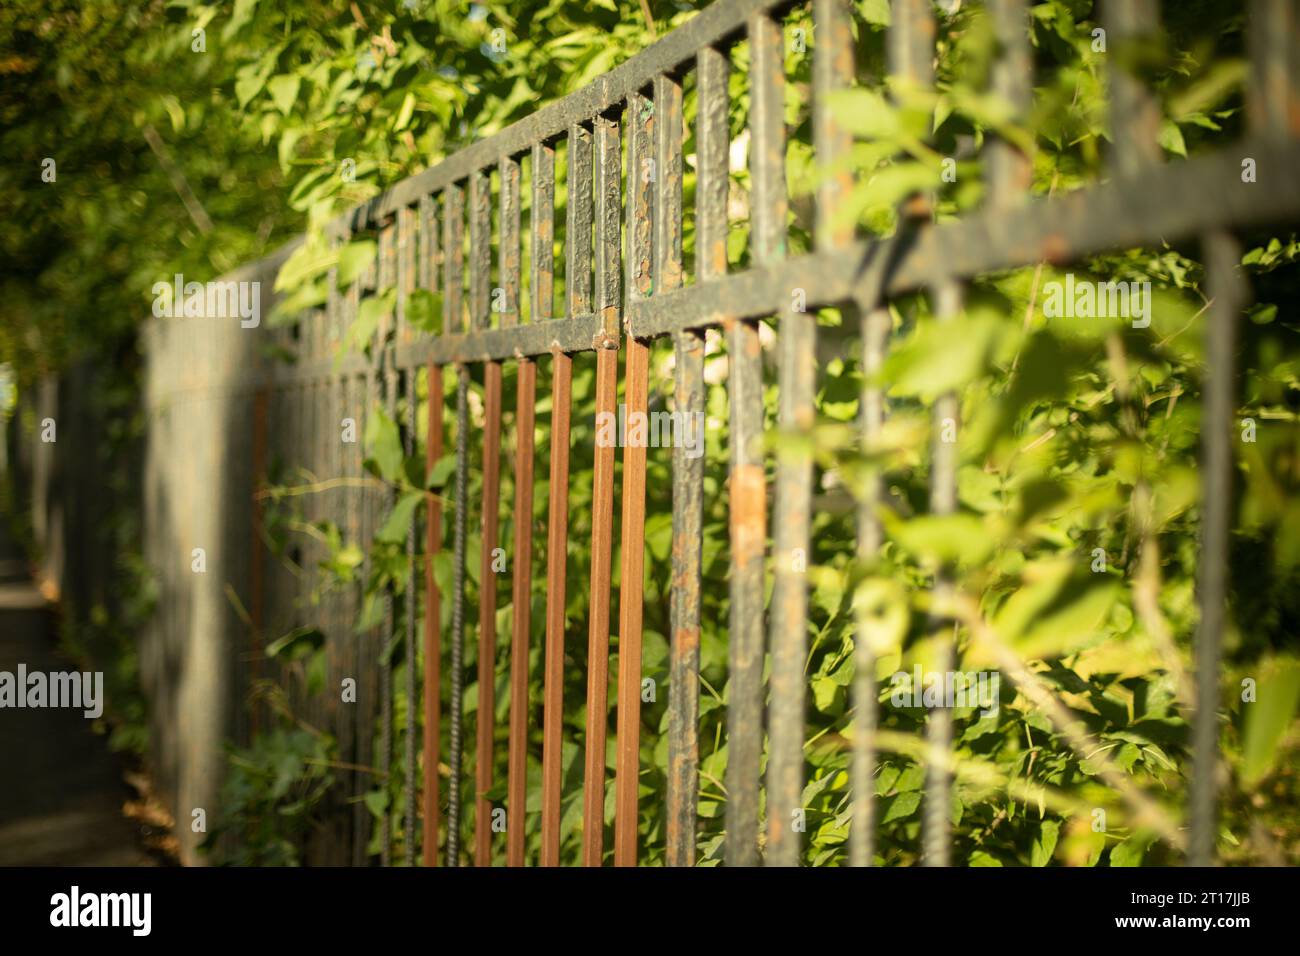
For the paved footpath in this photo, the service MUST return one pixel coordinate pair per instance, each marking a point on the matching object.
(61, 788)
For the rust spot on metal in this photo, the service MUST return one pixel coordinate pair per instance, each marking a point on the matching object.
(686, 639)
(748, 513)
(1056, 249)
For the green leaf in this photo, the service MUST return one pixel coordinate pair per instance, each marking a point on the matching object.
(1132, 850)
(372, 612)
(372, 312)
(875, 12)
(296, 644)
(1269, 717)
(441, 471)
(394, 529)
(942, 357)
(900, 806)
(284, 91)
(946, 538)
(424, 310)
(1045, 842)
(1171, 139)
(383, 444)
(354, 258)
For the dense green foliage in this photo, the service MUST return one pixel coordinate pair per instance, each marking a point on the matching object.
(1077, 436)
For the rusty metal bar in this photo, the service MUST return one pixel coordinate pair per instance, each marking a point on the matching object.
(541, 220)
(793, 485)
(631, 595)
(688, 491)
(746, 486)
(684, 648)
(578, 223)
(832, 70)
(432, 627)
(521, 595)
(480, 317)
(1009, 171)
(578, 289)
(1228, 292)
(257, 566)
(541, 289)
(453, 285)
(602, 494)
(1135, 115)
(946, 418)
(429, 257)
(1273, 41)
(557, 544)
(508, 248)
(334, 604)
(406, 279)
(387, 268)
(712, 136)
(355, 396)
(875, 324)
(516, 795)
(602, 549)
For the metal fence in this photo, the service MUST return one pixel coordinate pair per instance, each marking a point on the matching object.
(625, 284)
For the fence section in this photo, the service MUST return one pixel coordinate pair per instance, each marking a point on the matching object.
(616, 148)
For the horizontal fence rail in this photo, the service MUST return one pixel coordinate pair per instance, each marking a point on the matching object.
(616, 148)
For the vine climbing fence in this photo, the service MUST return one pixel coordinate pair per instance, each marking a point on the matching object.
(234, 411)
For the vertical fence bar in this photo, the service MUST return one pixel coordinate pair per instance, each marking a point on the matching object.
(911, 50)
(578, 222)
(257, 559)
(793, 489)
(631, 595)
(833, 70)
(578, 295)
(557, 545)
(1135, 115)
(541, 254)
(747, 505)
(387, 263)
(480, 308)
(1273, 41)
(1273, 101)
(607, 289)
(609, 299)
(688, 491)
(452, 321)
(521, 599)
(937, 814)
(1222, 255)
(406, 279)
(355, 395)
(1009, 171)
(337, 626)
(432, 545)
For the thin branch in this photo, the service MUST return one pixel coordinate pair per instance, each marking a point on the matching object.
(178, 180)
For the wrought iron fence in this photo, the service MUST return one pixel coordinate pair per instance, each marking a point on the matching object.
(625, 283)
